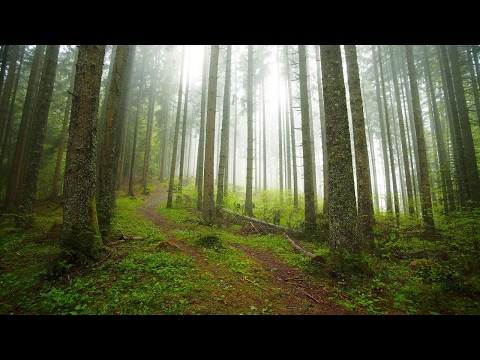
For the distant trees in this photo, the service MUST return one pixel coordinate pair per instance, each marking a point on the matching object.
(408, 137)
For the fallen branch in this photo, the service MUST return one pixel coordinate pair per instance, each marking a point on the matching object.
(245, 278)
(311, 297)
(297, 247)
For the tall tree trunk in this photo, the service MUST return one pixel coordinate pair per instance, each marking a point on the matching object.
(201, 134)
(80, 237)
(250, 72)
(7, 91)
(208, 209)
(364, 185)
(455, 132)
(4, 169)
(106, 187)
(175, 139)
(12, 199)
(292, 130)
(471, 167)
(63, 136)
(308, 166)
(131, 191)
(222, 164)
(26, 216)
(386, 165)
(184, 132)
(342, 204)
(280, 157)
(121, 133)
(406, 166)
(447, 186)
(151, 110)
(323, 132)
(424, 185)
(389, 139)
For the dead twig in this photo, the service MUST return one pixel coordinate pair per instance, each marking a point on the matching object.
(245, 278)
(311, 297)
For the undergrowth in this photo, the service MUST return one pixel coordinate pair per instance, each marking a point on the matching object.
(408, 272)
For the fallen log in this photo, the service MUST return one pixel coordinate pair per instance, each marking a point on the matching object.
(261, 222)
(316, 258)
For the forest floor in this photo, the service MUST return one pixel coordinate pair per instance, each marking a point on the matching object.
(300, 293)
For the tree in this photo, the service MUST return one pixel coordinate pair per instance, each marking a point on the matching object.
(341, 186)
(80, 239)
(424, 184)
(308, 166)
(63, 136)
(249, 187)
(222, 164)
(175, 139)
(106, 185)
(12, 199)
(26, 216)
(362, 167)
(201, 134)
(131, 191)
(208, 213)
(151, 107)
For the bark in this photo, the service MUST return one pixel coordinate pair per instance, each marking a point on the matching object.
(403, 140)
(280, 139)
(121, 133)
(386, 165)
(424, 184)
(106, 186)
(26, 216)
(7, 91)
(308, 166)
(362, 167)
(248, 195)
(175, 139)
(471, 167)
(184, 133)
(80, 232)
(5, 168)
(208, 210)
(151, 107)
(222, 164)
(388, 134)
(455, 132)
(444, 161)
(63, 136)
(292, 132)
(341, 190)
(12, 199)
(131, 191)
(201, 134)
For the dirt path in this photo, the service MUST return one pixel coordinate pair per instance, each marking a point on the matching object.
(302, 294)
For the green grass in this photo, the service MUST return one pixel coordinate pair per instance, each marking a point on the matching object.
(406, 273)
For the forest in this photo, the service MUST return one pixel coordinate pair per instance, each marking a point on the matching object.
(240, 179)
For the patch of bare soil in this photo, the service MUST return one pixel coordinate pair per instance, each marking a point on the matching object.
(300, 292)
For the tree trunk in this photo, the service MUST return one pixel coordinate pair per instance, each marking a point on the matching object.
(424, 184)
(106, 187)
(80, 232)
(341, 189)
(208, 209)
(13, 195)
(248, 195)
(26, 216)
(308, 166)
(364, 185)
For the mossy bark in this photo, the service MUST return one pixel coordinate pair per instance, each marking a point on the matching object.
(341, 187)
(106, 185)
(80, 232)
